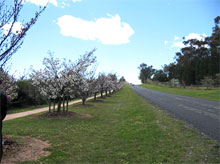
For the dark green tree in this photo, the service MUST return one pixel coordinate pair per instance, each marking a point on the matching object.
(200, 58)
(171, 71)
(146, 72)
(214, 44)
(27, 94)
(160, 76)
(197, 60)
(122, 79)
(192, 61)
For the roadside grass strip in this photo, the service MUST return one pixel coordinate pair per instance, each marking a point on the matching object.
(203, 93)
(124, 128)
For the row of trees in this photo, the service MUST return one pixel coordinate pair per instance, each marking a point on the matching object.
(198, 60)
(61, 81)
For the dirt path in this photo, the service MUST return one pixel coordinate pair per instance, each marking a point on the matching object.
(30, 150)
(23, 114)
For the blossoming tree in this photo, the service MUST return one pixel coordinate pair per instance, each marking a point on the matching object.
(60, 81)
(8, 84)
(84, 72)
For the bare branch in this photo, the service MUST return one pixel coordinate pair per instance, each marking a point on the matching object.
(11, 41)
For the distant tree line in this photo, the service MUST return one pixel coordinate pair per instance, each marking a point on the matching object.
(196, 63)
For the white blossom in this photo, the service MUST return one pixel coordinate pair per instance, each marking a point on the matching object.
(8, 84)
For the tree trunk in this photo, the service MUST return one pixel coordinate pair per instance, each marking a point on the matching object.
(34, 97)
(50, 106)
(59, 105)
(63, 104)
(67, 104)
(94, 96)
(1, 146)
(102, 94)
(54, 105)
(184, 84)
(83, 100)
(106, 93)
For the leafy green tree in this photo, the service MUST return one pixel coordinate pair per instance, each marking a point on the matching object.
(170, 70)
(195, 62)
(28, 94)
(160, 76)
(122, 79)
(192, 61)
(214, 43)
(199, 58)
(217, 80)
(146, 72)
(208, 82)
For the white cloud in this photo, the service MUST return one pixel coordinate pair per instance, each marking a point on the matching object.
(196, 36)
(62, 3)
(16, 29)
(176, 38)
(165, 42)
(65, 4)
(178, 44)
(76, 0)
(42, 2)
(108, 30)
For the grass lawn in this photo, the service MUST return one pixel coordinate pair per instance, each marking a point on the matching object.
(213, 94)
(124, 128)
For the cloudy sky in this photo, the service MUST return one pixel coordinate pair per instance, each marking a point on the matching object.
(126, 33)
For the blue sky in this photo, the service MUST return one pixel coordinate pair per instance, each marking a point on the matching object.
(126, 33)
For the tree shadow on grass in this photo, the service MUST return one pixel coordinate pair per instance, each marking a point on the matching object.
(82, 106)
(98, 101)
(62, 114)
(102, 100)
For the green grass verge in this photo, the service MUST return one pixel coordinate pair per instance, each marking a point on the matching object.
(213, 94)
(124, 128)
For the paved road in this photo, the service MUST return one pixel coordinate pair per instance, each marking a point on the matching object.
(203, 114)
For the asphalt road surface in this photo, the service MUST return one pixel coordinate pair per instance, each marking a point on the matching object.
(203, 114)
